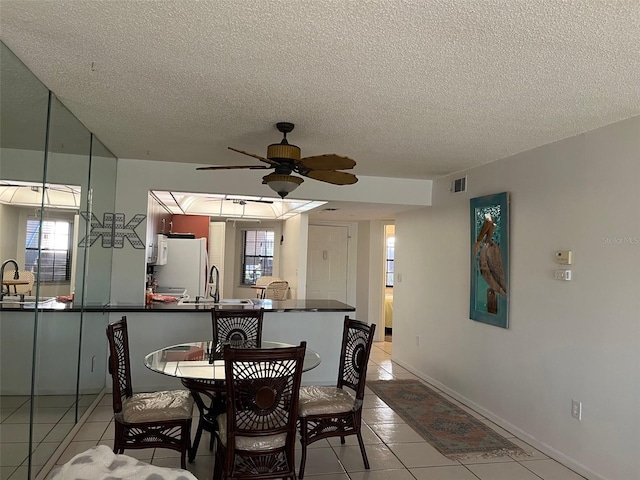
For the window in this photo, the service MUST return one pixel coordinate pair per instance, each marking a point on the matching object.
(55, 254)
(391, 244)
(257, 255)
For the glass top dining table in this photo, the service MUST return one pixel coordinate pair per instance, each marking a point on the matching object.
(203, 360)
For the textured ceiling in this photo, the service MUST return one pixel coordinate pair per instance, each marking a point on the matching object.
(414, 89)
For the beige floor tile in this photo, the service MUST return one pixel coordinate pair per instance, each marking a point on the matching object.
(379, 374)
(502, 471)
(381, 475)
(19, 432)
(396, 433)
(59, 432)
(101, 414)
(373, 401)
(380, 458)
(110, 432)
(332, 476)
(5, 472)
(380, 415)
(443, 473)
(13, 454)
(5, 412)
(40, 415)
(414, 455)
(321, 461)
(106, 400)
(404, 376)
(169, 462)
(552, 470)
(87, 399)
(91, 431)
(22, 473)
(43, 452)
(202, 467)
(13, 401)
(368, 436)
(49, 401)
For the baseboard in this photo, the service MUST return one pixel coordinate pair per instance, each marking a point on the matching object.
(502, 423)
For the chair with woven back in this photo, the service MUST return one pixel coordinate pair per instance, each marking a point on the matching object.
(256, 435)
(235, 326)
(277, 290)
(145, 420)
(337, 411)
(263, 282)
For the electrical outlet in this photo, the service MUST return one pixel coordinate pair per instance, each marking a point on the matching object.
(562, 275)
(417, 340)
(576, 409)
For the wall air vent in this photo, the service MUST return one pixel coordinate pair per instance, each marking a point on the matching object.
(459, 185)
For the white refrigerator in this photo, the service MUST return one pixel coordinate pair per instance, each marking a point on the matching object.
(186, 266)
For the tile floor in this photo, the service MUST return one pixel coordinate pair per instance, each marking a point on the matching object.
(54, 417)
(395, 451)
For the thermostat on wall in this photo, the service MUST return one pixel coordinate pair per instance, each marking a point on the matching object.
(563, 257)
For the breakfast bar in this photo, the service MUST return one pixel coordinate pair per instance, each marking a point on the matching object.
(151, 327)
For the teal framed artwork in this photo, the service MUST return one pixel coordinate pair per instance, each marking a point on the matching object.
(489, 299)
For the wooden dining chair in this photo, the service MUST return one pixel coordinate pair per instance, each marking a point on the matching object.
(256, 435)
(337, 411)
(237, 326)
(145, 420)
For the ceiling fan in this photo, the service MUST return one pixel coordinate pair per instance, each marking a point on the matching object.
(285, 159)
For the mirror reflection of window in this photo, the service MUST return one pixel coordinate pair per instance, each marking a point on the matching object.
(55, 256)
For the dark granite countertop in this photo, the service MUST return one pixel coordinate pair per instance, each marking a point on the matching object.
(305, 305)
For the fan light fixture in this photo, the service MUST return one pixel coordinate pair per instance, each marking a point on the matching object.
(282, 184)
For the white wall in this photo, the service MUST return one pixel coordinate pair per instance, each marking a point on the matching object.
(293, 254)
(566, 340)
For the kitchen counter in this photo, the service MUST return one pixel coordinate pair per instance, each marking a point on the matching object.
(299, 305)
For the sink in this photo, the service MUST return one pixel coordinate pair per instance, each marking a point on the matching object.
(211, 301)
(27, 300)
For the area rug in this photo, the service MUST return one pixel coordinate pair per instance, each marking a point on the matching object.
(452, 431)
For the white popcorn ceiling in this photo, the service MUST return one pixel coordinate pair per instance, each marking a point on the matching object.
(415, 89)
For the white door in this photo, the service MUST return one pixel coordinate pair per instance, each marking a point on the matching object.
(327, 262)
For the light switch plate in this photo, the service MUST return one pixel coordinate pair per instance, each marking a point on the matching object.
(563, 257)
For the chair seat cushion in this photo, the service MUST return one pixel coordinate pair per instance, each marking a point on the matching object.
(320, 400)
(250, 443)
(157, 406)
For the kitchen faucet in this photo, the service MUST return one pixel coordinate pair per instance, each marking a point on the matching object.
(216, 294)
(16, 275)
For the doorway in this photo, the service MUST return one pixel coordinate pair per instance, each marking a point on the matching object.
(390, 243)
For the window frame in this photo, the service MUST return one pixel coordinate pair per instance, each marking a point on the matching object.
(46, 276)
(246, 278)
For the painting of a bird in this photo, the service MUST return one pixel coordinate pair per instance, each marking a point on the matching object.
(490, 264)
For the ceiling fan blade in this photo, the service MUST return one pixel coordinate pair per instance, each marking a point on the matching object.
(262, 159)
(328, 162)
(331, 176)
(234, 167)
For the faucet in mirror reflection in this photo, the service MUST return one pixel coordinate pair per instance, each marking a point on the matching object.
(214, 283)
(16, 275)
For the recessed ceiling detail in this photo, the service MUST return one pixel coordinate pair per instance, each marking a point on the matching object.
(232, 206)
